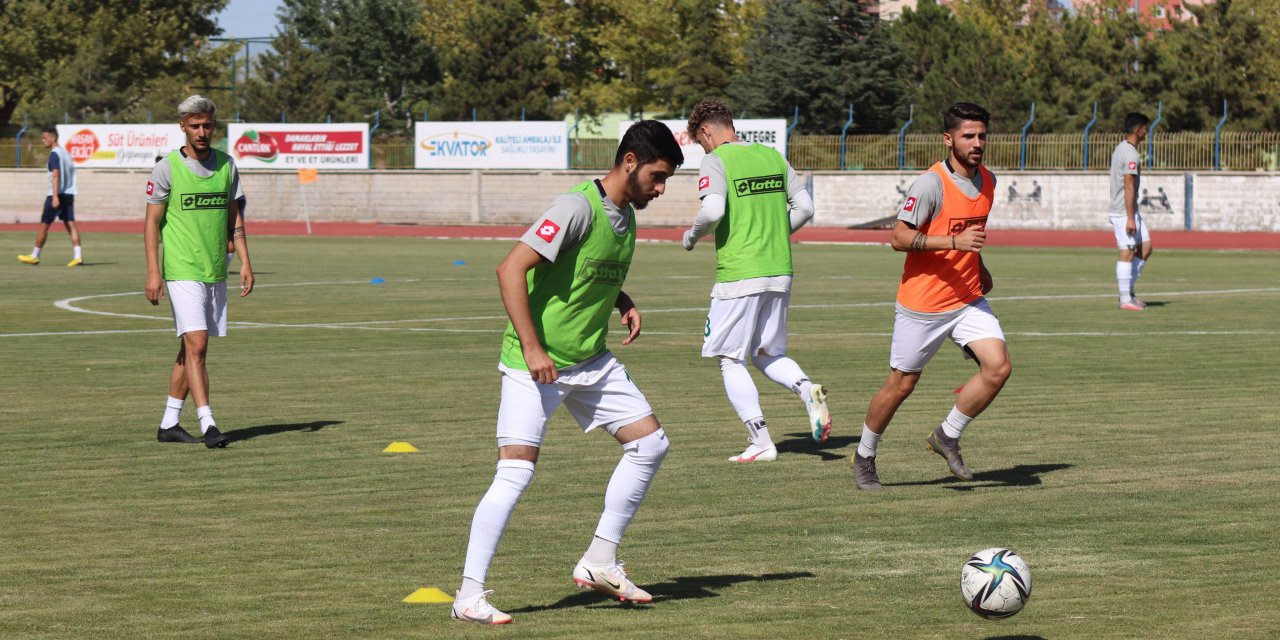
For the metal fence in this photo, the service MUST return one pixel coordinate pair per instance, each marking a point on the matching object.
(1186, 151)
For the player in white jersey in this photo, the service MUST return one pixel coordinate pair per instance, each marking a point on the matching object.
(60, 203)
(1132, 238)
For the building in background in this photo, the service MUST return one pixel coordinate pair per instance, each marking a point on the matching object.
(1161, 13)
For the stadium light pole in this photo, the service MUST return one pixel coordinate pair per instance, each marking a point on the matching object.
(1151, 135)
(17, 144)
(377, 122)
(843, 133)
(1022, 163)
(1085, 161)
(573, 133)
(1217, 138)
(902, 137)
(794, 122)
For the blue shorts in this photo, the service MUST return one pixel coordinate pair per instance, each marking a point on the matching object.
(66, 212)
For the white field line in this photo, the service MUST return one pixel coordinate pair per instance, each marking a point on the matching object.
(70, 304)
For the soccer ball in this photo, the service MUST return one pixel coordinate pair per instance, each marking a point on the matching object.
(995, 583)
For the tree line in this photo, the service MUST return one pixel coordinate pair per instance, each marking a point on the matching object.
(404, 60)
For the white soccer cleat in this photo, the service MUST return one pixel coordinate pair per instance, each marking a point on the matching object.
(610, 579)
(756, 454)
(819, 414)
(478, 610)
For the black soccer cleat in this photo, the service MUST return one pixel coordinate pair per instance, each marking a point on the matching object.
(214, 439)
(176, 434)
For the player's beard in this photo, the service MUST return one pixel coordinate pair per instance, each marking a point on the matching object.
(968, 161)
(635, 195)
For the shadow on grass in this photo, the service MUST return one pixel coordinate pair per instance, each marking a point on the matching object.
(686, 588)
(1157, 303)
(803, 443)
(1023, 475)
(1016, 638)
(249, 433)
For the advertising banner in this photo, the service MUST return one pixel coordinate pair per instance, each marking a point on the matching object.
(118, 145)
(491, 145)
(299, 146)
(771, 132)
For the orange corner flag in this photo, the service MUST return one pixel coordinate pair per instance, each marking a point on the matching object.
(307, 176)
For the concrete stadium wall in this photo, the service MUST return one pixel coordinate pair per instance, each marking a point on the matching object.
(1024, 200)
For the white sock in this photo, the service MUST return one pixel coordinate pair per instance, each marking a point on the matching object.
(741, 389)
(172, 409)
(470, 589)
(869, 442)
(630, 482)
(76, 249)
(601, 551)
(1124, 278)
(35, 252)
(784, 371)
(1137, 271)
(229, 256)
(206, 418)
(492, 515)
(758, 433)
(955, 423)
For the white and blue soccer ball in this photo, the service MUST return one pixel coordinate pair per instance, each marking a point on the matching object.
(995, 583)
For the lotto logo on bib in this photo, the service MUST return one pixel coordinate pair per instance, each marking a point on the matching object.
(548, 230)
(603, 271)
(203, 201)
(960, 224)
(759, 185)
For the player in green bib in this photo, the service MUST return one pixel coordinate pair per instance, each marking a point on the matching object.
(752, 200)
(191, 208)
(560, 285)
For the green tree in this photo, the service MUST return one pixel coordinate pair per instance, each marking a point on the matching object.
(1227, 52)
(87, 58)
(820, 56)
(346, 59)
(658, 56)
(967, 56)
(494, 60)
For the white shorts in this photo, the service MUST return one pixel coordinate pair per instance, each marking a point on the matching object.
(916, 341)
(1123, 239)
(739, 328)
(611, 401)
(198, 306)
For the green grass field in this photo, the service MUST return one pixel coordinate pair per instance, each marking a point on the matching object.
(1131, 459)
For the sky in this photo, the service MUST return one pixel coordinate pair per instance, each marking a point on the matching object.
(249, 18)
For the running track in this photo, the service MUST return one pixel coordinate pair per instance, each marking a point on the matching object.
(1102, 238)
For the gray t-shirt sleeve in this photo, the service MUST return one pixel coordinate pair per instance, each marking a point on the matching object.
(711, 177)
(794, 184)
(236, 187)
(564, 224)
(160, 182)
(924, 199)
